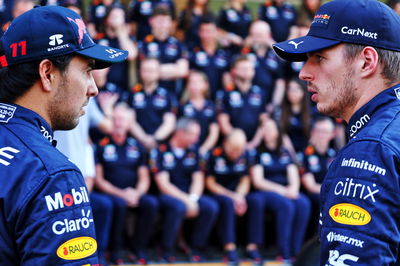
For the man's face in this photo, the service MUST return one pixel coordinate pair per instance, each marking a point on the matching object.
(161, 26)
(329, 79)
(208, 32)
(76, 85)
(121, 120)
(191, 135)
(150, 70)
(244, 70)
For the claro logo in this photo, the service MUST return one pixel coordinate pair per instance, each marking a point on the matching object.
(59, 201)
(77, 248)
(346, 213)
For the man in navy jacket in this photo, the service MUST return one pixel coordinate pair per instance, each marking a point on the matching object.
(352, 61)
(45, 80)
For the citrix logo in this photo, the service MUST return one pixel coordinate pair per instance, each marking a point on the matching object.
(355, 190)
(56, 39)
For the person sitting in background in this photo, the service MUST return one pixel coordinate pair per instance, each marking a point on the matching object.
(140, 13)
(209, 57)
(197, 106)
(295, 117)
(229, 183)
(316, 160)
(189, 21)
(18, 7)
(171, 53)
(277, 188)
(243, 104)
(122, 173)
(115, 33)
(180, 182)
(269, 71)
(153, 106)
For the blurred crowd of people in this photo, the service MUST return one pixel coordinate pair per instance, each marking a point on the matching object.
(204, 124)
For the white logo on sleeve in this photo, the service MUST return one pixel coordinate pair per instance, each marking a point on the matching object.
(56, 39)
(335, 259)
(4, 152)
(295, 44)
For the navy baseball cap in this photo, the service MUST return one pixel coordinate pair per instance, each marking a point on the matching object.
(51, 31)
(364, 22)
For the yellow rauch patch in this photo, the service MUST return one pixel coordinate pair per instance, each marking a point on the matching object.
(77, 248)
(346, 213)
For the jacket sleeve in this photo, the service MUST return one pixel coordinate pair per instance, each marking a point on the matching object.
(54, 226)
(360, 206)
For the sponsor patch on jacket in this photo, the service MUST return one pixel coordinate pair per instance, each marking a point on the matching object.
(77, 248)
(6, 112)
(346, 213)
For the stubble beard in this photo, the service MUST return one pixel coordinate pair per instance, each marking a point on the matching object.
(61, 116)
(346, 96)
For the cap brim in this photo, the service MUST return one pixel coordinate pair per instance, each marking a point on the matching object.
(104, 56)
(296, 49)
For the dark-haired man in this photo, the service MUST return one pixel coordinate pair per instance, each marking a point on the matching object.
(45, 80)
(352, 59)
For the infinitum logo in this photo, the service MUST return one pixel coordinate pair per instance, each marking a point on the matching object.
(364, 165)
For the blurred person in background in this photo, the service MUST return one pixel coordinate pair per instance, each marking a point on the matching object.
(243, 104)
(268, 66)
(317, 158)
(189, 21)
(228, 181)
(281, 16)
(180, 181)
(123, 175)
(171, 53)
(295, 118)
(18, 7)
(234, 22)
(116, 34)
(153, 106)
(96, 13)
(210, 58)
(140, 13)
(196, 105)
(276, 180)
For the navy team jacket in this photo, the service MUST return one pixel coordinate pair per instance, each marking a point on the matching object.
(45, 214)
(360, 213)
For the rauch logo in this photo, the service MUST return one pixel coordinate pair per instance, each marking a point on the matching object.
(345, 213)
(77, 248)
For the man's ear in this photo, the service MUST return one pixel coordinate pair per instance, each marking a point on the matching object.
(370, 61)
(47, 74)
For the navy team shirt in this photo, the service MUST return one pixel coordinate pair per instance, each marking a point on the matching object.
(244, 109)
(228, 173)
(45, 213)
(167, 52)
(214, 66)
(142, 10)
(120, 162)
(280, 18)
(150, 108)
(275, 164)
(268, 70)
(234, 21)
(360, 195)
(316, 163)
(204, 116)
(179, 166)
